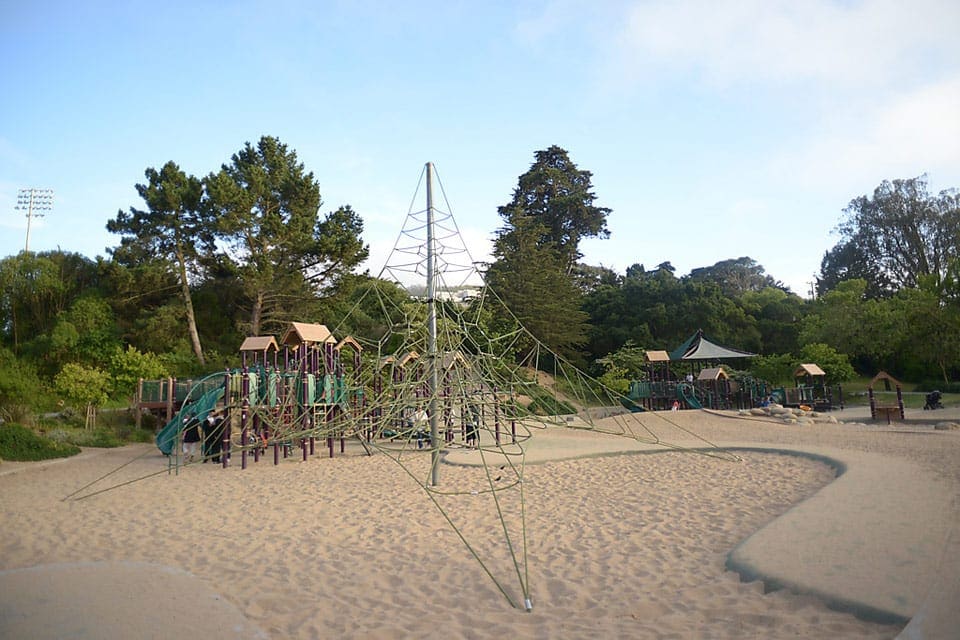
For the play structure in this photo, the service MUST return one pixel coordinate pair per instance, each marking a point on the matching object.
(311, 387)
(693, 377)
(683, 376)
(881, 407)
(810, 390)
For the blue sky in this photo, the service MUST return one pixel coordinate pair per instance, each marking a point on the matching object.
(714, 129)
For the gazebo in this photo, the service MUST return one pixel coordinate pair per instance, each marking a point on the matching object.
(698, 347)
(711, 381)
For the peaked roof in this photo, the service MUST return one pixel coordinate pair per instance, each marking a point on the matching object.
(715, 373)
(306, 333)
(259, 343)
(349, 341)
(808, 369)
(699, 348)
(656, 356)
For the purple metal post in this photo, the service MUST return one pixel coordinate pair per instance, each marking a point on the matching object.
(225, 445)
(244, 411)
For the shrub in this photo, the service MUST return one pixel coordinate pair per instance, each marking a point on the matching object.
(102, 438)
(20, 443)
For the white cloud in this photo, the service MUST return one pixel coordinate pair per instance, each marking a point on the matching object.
(910, 134)
(745, 41)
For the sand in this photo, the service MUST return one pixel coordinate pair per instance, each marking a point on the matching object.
(618, 546)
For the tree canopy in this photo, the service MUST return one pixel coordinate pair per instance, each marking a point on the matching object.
(267, 215)
(895, 238)
(560, 197)
(174, 227)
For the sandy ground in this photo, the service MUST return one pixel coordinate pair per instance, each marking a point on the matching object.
(617, 546)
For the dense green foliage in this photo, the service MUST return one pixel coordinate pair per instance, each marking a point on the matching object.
(537, 249)
(21, 444)
(206, 262)
(892, 240)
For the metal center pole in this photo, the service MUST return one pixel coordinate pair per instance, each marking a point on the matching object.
(432, 338)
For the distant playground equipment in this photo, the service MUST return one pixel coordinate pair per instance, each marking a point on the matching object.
(810, 390)
(711, 387)
(880, 409)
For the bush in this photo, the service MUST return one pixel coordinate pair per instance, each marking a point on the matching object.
(20, 443)
(102, 438)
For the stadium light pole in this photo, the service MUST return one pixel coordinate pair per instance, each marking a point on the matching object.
(32, 201)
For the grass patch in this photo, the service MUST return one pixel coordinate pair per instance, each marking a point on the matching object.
(19, 443)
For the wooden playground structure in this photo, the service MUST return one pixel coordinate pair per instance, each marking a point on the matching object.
(707, 387)
(710, 386)
(311, 387)
(881, 410)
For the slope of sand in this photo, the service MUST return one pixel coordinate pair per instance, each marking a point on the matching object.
(631, 546)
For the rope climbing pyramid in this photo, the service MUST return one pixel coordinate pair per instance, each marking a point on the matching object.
(413, 379)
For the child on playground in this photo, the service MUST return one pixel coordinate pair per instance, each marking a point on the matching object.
(473, 419)
(191, 438)
(212, 436)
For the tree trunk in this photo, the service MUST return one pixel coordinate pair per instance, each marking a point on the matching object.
(256, 314)
(188, 305)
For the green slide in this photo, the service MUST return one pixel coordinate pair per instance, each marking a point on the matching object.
(688, 394)
(167, 438)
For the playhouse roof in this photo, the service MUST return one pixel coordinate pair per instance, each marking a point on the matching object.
(699, 348)
(883, 375)
(259, 343)
(407, 357)
(713, 373)
(349, 340)
(808, 370)
(449, 359)
(656, 356)
(306, 333)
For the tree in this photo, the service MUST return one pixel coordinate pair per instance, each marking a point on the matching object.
(83, 386)
(128, 366)
(86, 332)
(776, 369)
(835, 365)
(778, 315)
(558, 195)
(894, 238)
(853, 324)
(929, 328)
(267, 209)
(20, 387)
(528, 276)
(31, 296)
(174, 227)
(736, 277)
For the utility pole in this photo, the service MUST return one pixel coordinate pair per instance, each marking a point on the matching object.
(32, 201)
